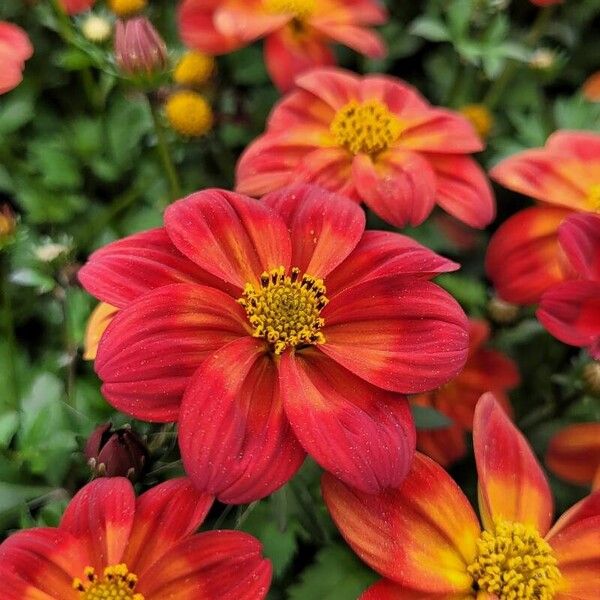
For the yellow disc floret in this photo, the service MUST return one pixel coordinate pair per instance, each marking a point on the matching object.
(285, 310)
(480, 117)
(514, 562)
(189, 113)
(299, 8)
(126, 8)
(116, 582)
(194, 69)
(367, 127)
(594, 197)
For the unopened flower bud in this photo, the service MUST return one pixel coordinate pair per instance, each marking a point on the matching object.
(139, 49)
(96, 29)
(591, 377)
(501, 311)
(115, 452)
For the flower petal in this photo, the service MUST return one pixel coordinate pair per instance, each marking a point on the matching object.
(227, 565)
(365, 436)
(99, 320)
(512, 484)
(401, 334)
(582, 511)
(422, 535)
(584, 145)
(101, 515)
(388, 590)
(330, 168)
(233, 237)
(153, 347)
(334, 86)
(235, 439)
(324, 227)
(446, 445)
(300, 110)
(358, 38)
(579, 237)
(247, 21)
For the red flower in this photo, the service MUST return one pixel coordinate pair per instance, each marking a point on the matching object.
(426, 541)
(570, 311)
(298, 32)
(111, 545)
(15, 49)
(270, 329)
(485, 370)
(524, 258)
(74, 7)
(546, 2)
(375, 140)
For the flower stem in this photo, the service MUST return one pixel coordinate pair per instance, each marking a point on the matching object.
(10, 349)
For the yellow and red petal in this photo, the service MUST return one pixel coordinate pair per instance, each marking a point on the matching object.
(227, 565)
(402, 334)
(364, 435)
(248, 20)
(421, 535)
(582, 145)
(386, 589)
(512, 483)
(101, 516)
(299, 111)
(235, 439)
(324, 227)
(152, 348)
(524, 257)
(399, 186)
(164, 515)
(368, 12)
(358, 38)
(582, 511)
(579, 237)
(336, 87)
(231, 236)
(400, 97)
(99, 320)
(463, 190)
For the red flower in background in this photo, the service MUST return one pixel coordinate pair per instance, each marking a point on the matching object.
(524, 257)
(375, 140)
(15, 49)
(485, 370)
(111, 545)
(270, 329)
(546, 2)
(425, 539)
(74, 7)
(297, 33)
(570, 311)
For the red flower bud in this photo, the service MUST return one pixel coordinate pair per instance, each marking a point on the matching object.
(115, 453)
(139, 49)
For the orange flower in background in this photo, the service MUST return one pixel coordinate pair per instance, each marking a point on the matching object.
(524, 257)
(376, 140)
(425, 540)
(591, 88)
(298, 33)
(485, 370)
(574, 454)
(15, 49)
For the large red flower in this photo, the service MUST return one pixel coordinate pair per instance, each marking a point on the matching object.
(111, 545)
(427, 543)
(375, 140)
(298, 32)
(270, 329)
(15, 49)
(524, 257)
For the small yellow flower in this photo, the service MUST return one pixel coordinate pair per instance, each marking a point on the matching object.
(194, 69)
(189, 113)
(96, 29)
(480, 118)
(126, 8)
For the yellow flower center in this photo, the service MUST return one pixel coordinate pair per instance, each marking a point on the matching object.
(594, 197)
(285, 309)
(514, 562)
(194, 69)
(367, 127)
(126, 8)
(116, 582)
(299, 8)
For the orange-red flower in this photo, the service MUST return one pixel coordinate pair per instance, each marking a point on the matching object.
(272, 328)
(425, 540)
(485, 370)
(111, 545)
(375, 140)
(74, 7)
(524, 257)
(298, 33)
(574, 454)
(591, 87)
(15, 49)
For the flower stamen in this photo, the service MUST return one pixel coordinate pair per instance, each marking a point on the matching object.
(300, 9)
(116, 582)
(594, 197)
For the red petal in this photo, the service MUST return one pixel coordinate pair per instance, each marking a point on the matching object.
(579, 237)
(334, 86)
(401, 334)
(152, 348)
(388, 590)
(584, 145)
(324, 227)
(365, 436)
(512, 483)
(358, 38)
(235, 439)
(397, 95)
(223, 565)
(231, 236)
(300, 110)
(330, 168)
(445, 446)
(15, 45)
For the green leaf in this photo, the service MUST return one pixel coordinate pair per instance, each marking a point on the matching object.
(15, 111)
(427, 417)
(12, 495)
(429, 29)
(9, 423)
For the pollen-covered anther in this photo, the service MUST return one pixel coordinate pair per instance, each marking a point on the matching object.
(299, 8)
(116, 582)
(367, 127)
(285, 310)
(514, 562)
(594, 197)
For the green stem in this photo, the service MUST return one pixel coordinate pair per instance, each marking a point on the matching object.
(13, 392)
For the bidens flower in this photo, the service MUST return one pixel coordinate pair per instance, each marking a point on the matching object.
(194, 69)
(15, 49)
(298, 32)
(189, 113)
(375, 140)
(425, 539)
(275, 328)
(111, 545)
